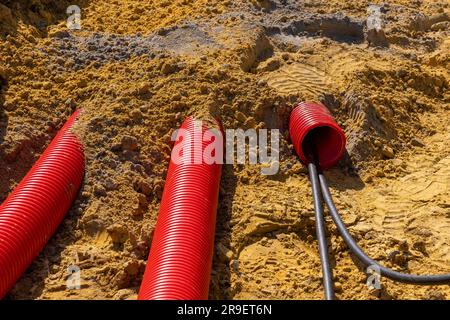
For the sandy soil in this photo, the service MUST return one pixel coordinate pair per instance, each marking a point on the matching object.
(137, 70)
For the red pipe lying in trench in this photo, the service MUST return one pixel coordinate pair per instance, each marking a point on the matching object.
(179, 263)
(33, 211)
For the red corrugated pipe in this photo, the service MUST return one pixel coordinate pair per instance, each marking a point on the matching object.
(311, 125)
(33, 211)
(179, 263)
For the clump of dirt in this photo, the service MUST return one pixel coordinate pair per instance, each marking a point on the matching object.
(138, 70)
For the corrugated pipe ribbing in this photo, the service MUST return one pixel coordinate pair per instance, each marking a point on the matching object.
(179, 263)
(35, 208)
(311, 125)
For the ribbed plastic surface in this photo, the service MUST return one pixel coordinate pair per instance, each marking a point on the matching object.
(35, 208)
(179, 263)
(312, 123)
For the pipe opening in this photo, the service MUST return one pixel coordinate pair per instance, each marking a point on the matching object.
(325, 144)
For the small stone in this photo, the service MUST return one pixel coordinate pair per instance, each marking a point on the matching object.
(351, 219)
(402, 73)
(416, 142)
(110, 185)
(99, 190)
(229, 254)
(144, 88)
(168, 68)
(398, 163)
(143, 186)
(377, 143)
(129, 143)
(136, 115)
(363, 228)
(142, 200)
(86, 194)
(262, 82)
(388, 152)
(131, 267)
(176, 97)
(203, 88)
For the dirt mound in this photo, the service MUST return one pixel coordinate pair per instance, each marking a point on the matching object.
(138, 70)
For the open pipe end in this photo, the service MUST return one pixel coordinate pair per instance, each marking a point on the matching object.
(315, 133)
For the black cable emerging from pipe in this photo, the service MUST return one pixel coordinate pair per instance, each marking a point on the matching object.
(320, 233)
(355, 249)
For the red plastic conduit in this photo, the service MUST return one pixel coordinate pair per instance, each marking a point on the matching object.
(33, 211)
(179, 263)
(311, 124)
